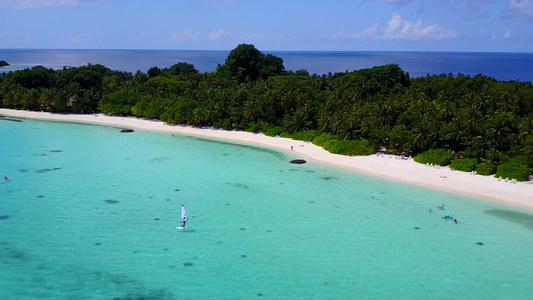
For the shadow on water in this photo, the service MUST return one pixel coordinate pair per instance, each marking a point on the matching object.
(276, 153)
(519, 218)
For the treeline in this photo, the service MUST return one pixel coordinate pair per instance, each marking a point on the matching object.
(370, 109)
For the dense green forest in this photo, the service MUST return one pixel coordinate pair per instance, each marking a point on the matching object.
(481, 123)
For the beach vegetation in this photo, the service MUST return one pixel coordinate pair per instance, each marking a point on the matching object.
(253, 127)
(485, 169)
(285, 134)
(349, 147)
(439, 157)
(464, 164)
(274, 131)
(324, 139)
(513, 168)
(306, 135)
(475, 117)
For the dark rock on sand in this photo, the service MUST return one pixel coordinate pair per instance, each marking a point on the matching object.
(298, 161)
(126, 130)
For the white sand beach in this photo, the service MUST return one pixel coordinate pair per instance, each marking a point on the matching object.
(518, 194)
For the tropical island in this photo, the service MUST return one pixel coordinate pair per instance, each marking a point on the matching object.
(3, 63)
(474, 124)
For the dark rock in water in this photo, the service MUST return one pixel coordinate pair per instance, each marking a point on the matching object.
(187, 264)
(40, 196)
(3, 63)
(111, 201)
(417, 227)
(47, 170)
(56, 151)
(126, 130)
(479, 243)
(243, 255)
(298, 161)
(5, 217)
(97, 244)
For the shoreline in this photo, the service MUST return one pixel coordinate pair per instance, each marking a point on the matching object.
(519, 194)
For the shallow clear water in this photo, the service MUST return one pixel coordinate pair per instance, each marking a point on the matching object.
(259, 227)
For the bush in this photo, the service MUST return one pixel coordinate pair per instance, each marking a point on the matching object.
(252, 128)
(514, 168)
(307, 135)
(349, 147)
(285, 134)
(273, 131)
(464, 164)
(485, 169)
(438, 157)
(323, 139)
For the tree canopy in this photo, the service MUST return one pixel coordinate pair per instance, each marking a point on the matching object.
(246, 63)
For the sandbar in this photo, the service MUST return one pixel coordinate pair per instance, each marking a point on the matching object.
(517, 194)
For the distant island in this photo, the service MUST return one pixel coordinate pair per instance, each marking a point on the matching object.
(3, 63)
(474, 124)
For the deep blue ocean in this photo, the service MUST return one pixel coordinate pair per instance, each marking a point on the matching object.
(502, 66)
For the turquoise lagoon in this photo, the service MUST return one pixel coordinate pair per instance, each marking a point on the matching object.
(88, 212)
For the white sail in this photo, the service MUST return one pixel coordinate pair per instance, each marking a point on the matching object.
(183, 214)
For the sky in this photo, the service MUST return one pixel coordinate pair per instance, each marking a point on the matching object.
(276, 25)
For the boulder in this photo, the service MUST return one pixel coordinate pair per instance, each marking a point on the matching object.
(126, 130)
(298, 161)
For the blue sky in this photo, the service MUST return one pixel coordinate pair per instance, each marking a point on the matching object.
(359, 25)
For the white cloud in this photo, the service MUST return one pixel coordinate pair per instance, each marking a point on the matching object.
(507, 34)
(365, 34)
(219, 34)
(369, 33)
(185, 36)
(521, 7)
(28, 4)
(341, 35)
(495, 35)
(400, 29)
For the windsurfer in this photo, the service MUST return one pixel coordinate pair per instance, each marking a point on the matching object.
(183, 216)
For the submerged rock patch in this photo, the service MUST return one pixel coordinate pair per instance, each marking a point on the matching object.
(4, 217)
(187, 264)
(111, 201)
(47, 170)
